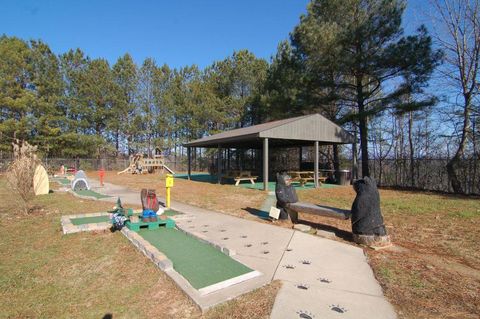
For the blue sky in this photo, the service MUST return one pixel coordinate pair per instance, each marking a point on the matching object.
(177, 33)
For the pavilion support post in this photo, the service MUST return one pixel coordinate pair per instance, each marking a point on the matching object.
(229, 154)
(315, 164)
(265, 164)
(300, 158)
(189, 157)
(219, 164)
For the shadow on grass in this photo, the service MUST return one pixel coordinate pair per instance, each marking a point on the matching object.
(257, 213)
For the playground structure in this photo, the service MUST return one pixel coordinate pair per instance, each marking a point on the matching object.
(141, 165)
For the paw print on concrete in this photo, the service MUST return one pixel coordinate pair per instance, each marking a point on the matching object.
(338, 309)
(325, 280)
(289, 266)
(305, 314)
(305, 262)
(302, 286)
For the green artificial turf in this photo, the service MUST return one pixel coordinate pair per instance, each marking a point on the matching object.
(207, 178)
(200, 263)
(62, 181)
(90, 220)
(90, 193)
(106, 218)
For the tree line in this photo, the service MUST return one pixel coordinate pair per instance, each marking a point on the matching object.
(349, 60)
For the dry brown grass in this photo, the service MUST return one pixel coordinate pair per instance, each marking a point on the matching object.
(433, 270)
(44, 274)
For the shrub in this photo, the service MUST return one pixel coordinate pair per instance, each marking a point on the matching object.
(21, 171)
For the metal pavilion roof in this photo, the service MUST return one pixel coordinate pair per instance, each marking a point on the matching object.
(297, 131)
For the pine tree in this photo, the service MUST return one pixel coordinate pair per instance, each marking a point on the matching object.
(357, 46)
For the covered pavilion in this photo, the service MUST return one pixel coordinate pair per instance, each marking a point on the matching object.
(308, 130)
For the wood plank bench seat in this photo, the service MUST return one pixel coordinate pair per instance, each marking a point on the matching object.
(319, 210)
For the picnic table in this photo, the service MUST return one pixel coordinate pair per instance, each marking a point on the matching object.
(238, 176)
(303, 177)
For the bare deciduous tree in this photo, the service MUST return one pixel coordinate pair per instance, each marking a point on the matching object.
(459, 36)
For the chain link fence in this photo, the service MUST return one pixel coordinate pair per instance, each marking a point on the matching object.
(428, 174)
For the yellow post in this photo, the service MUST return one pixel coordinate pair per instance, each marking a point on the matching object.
(168, 197)
(168, 185)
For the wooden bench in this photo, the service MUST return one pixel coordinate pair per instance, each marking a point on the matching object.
(319, 210)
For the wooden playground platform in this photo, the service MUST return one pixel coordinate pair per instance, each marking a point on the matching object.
(141, 165)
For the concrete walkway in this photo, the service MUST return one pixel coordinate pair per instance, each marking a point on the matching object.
(321, 278)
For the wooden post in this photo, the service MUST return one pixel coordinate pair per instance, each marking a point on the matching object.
(300, 158)
(265, 164)
(228, 160)
(219, 164)
(315, 164)
(189, 157)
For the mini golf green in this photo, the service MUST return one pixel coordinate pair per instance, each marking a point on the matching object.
(62, 181)
(200, 263)
(90, 220)
(90, 193)
(106, 218)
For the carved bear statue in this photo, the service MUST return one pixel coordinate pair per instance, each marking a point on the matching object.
(285, 193)
(366, 215)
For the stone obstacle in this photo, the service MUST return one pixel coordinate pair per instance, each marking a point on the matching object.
(80, 181)
(41, 185)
